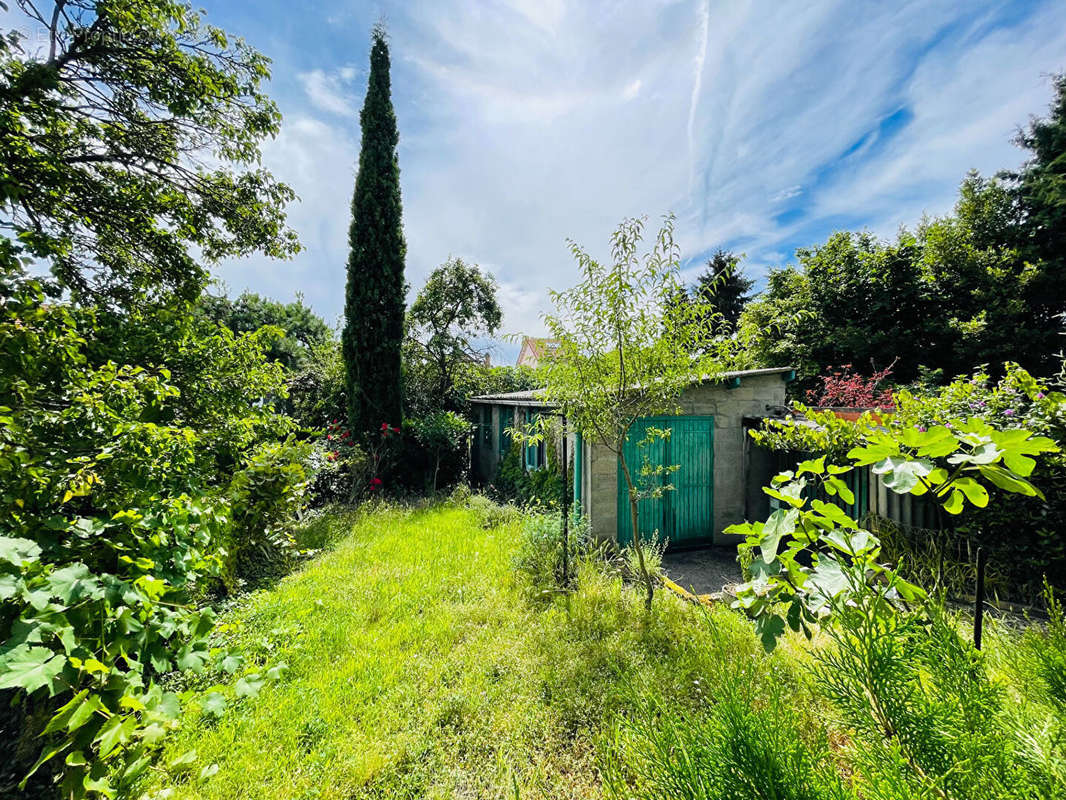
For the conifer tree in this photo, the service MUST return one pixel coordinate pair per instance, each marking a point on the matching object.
(374, 299)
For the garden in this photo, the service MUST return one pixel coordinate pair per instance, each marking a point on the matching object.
(241, 554)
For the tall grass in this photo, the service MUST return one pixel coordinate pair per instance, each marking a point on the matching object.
(423, 664)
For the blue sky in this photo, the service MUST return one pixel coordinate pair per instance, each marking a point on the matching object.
(764, 126)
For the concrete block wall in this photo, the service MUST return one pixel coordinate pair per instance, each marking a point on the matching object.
(728, 407)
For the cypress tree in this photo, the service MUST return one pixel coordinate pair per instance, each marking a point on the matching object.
(374, 299)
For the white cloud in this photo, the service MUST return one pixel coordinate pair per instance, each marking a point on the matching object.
(330, 91)
(524, 123)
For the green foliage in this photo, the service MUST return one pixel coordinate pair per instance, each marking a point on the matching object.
(928, 719)
(980, 286)
(724, 288)
(106, 548)
(740, 747)
(626, 346)
(540, 488)
(820, 432)
(1052, 655)
(317, 390)
(1020, 531)
(456, 307)
(814, 557)
(135, 137)
(1039, 189)
(302, 330)
(374, 300)
(540, 556)
(444, 439)
(265, 499)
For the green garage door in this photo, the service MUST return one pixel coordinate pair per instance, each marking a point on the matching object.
(684, 514)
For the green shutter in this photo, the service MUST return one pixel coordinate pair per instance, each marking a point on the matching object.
(506, 421)
(486, 425)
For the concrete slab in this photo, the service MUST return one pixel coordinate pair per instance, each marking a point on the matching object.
(705, 571)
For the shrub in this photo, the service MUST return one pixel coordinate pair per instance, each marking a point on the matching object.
(539, 559)
(927, 719)
(265, 498)
(1022, 533)
(845, 388)
(538, 488)
(116, 483)
(441, 452)
(338, 468)
(491, 514)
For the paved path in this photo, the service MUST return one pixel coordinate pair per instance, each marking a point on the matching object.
(703, 571)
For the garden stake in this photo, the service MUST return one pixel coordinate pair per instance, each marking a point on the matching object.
(566, 515)
(980, 600)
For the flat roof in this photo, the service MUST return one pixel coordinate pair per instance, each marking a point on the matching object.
(532, 397)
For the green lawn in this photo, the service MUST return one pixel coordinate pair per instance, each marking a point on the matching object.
(418, 669)
(420, 666)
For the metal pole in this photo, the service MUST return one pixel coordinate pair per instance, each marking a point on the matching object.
(979, 602)
(566, 512)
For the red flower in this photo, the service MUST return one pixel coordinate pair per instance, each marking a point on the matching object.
(375, 484)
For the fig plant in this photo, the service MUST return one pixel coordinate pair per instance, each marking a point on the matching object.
(810, 556)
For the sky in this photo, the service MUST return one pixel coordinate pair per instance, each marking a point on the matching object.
(764, 126)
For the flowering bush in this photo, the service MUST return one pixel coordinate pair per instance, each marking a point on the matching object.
(1023, 534)
(848, 389)
(338, 466)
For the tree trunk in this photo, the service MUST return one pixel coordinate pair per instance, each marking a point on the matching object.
(635, 521)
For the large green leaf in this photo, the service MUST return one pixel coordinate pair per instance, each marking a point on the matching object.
(1009, 481)
(853, 543)
(827, 581)
(74, 582)
(902, 474)
(780, 524)
(31, 668)
(18, 551)
(975, 492)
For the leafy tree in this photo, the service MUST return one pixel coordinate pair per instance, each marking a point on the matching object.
(984, 285)
(724, 287)
(372, 340)
(302, 329)
(440, 434)
(134, 442)
(124, 498)
(625, 351)
(457, 306)
(132, 136)
(1040, 189)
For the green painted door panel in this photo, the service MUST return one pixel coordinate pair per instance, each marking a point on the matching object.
(691, 504)
(686, 512)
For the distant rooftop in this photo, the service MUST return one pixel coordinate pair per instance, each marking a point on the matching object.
(534, 348)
